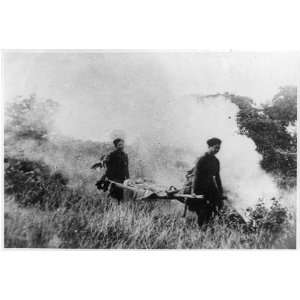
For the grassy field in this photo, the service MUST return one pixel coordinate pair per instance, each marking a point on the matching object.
(131, 226)
(51, 202)
(43, 210)
(51, 199)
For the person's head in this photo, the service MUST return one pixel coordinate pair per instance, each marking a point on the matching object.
(119, 144)
(214, 145)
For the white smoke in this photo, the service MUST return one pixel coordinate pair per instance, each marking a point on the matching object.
(193, 121)
(158, 128)
(135, 96)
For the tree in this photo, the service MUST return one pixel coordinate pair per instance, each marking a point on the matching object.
(284, 106)
(30, 118)
(268, 128)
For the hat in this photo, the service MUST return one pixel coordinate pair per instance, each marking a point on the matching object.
(117, 141)
(213, 141)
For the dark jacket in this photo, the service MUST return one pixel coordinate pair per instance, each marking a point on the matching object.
(207, 179)
(117, 166)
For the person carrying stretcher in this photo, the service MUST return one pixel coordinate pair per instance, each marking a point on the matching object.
(206, 181)
(117, 170)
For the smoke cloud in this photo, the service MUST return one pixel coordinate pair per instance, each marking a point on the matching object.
(169, 132)
(243, 178)
(135, 96)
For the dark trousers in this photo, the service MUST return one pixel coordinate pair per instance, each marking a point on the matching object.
(204, 216)
(116, 192)
(209, 208)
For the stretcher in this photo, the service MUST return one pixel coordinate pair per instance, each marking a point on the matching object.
(146, 192)
(143, 192)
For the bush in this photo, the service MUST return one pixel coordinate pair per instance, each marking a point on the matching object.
(268, 128)
(33, 184)
(272, 220)
(30, 118)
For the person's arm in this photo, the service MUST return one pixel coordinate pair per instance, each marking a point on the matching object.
(127, 168)
(97, 165)
(100, 164)
(108, 165)
(219, 184)
(197, 171)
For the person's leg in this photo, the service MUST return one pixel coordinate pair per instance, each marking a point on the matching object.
(215, 203)
(200, 218)
(204, 215)
(119, 195)
(116, 193)
(204, 211)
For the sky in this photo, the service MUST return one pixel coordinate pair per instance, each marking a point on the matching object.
(95, 85)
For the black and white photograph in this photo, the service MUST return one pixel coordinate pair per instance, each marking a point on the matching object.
(107, 149)
(149, 149)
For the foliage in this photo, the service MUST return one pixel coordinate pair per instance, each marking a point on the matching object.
(284, 106)
(272, 219)
(67, 217)
(32, 183)
(45, 207)
(30, 118)
(267, 127)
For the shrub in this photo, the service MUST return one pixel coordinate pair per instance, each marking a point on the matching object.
(272, 220)
(32, 183)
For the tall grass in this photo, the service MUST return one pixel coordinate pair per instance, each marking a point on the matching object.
(88, 221)
(131, 226)
(51, 200)
(45, 208)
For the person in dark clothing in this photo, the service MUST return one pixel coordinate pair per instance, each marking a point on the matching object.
(117, 168)
(207, 182)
